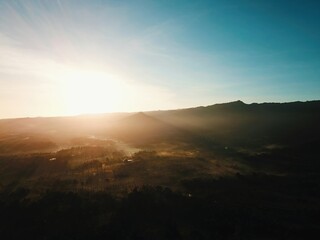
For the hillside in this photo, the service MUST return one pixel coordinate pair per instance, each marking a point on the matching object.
(239, 123)
(234, 124)
(225, 171)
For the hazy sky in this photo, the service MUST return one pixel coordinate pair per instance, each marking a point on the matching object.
(62, 57)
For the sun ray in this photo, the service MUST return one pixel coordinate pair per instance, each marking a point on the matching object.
(91, 92)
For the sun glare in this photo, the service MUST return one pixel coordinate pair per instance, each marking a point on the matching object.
(91, 92)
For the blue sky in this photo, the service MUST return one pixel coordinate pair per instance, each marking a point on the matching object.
(70, 57)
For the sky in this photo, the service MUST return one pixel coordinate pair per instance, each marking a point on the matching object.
(69, 57)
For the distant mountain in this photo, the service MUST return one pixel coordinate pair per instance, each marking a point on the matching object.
(142, 128)
(234, 123)
(240, 123)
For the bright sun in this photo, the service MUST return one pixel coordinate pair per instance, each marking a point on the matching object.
(91, 92)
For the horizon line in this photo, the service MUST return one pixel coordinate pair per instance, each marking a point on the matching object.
(146, 111)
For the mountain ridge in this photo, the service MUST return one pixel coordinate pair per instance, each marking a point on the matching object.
(228, 104)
